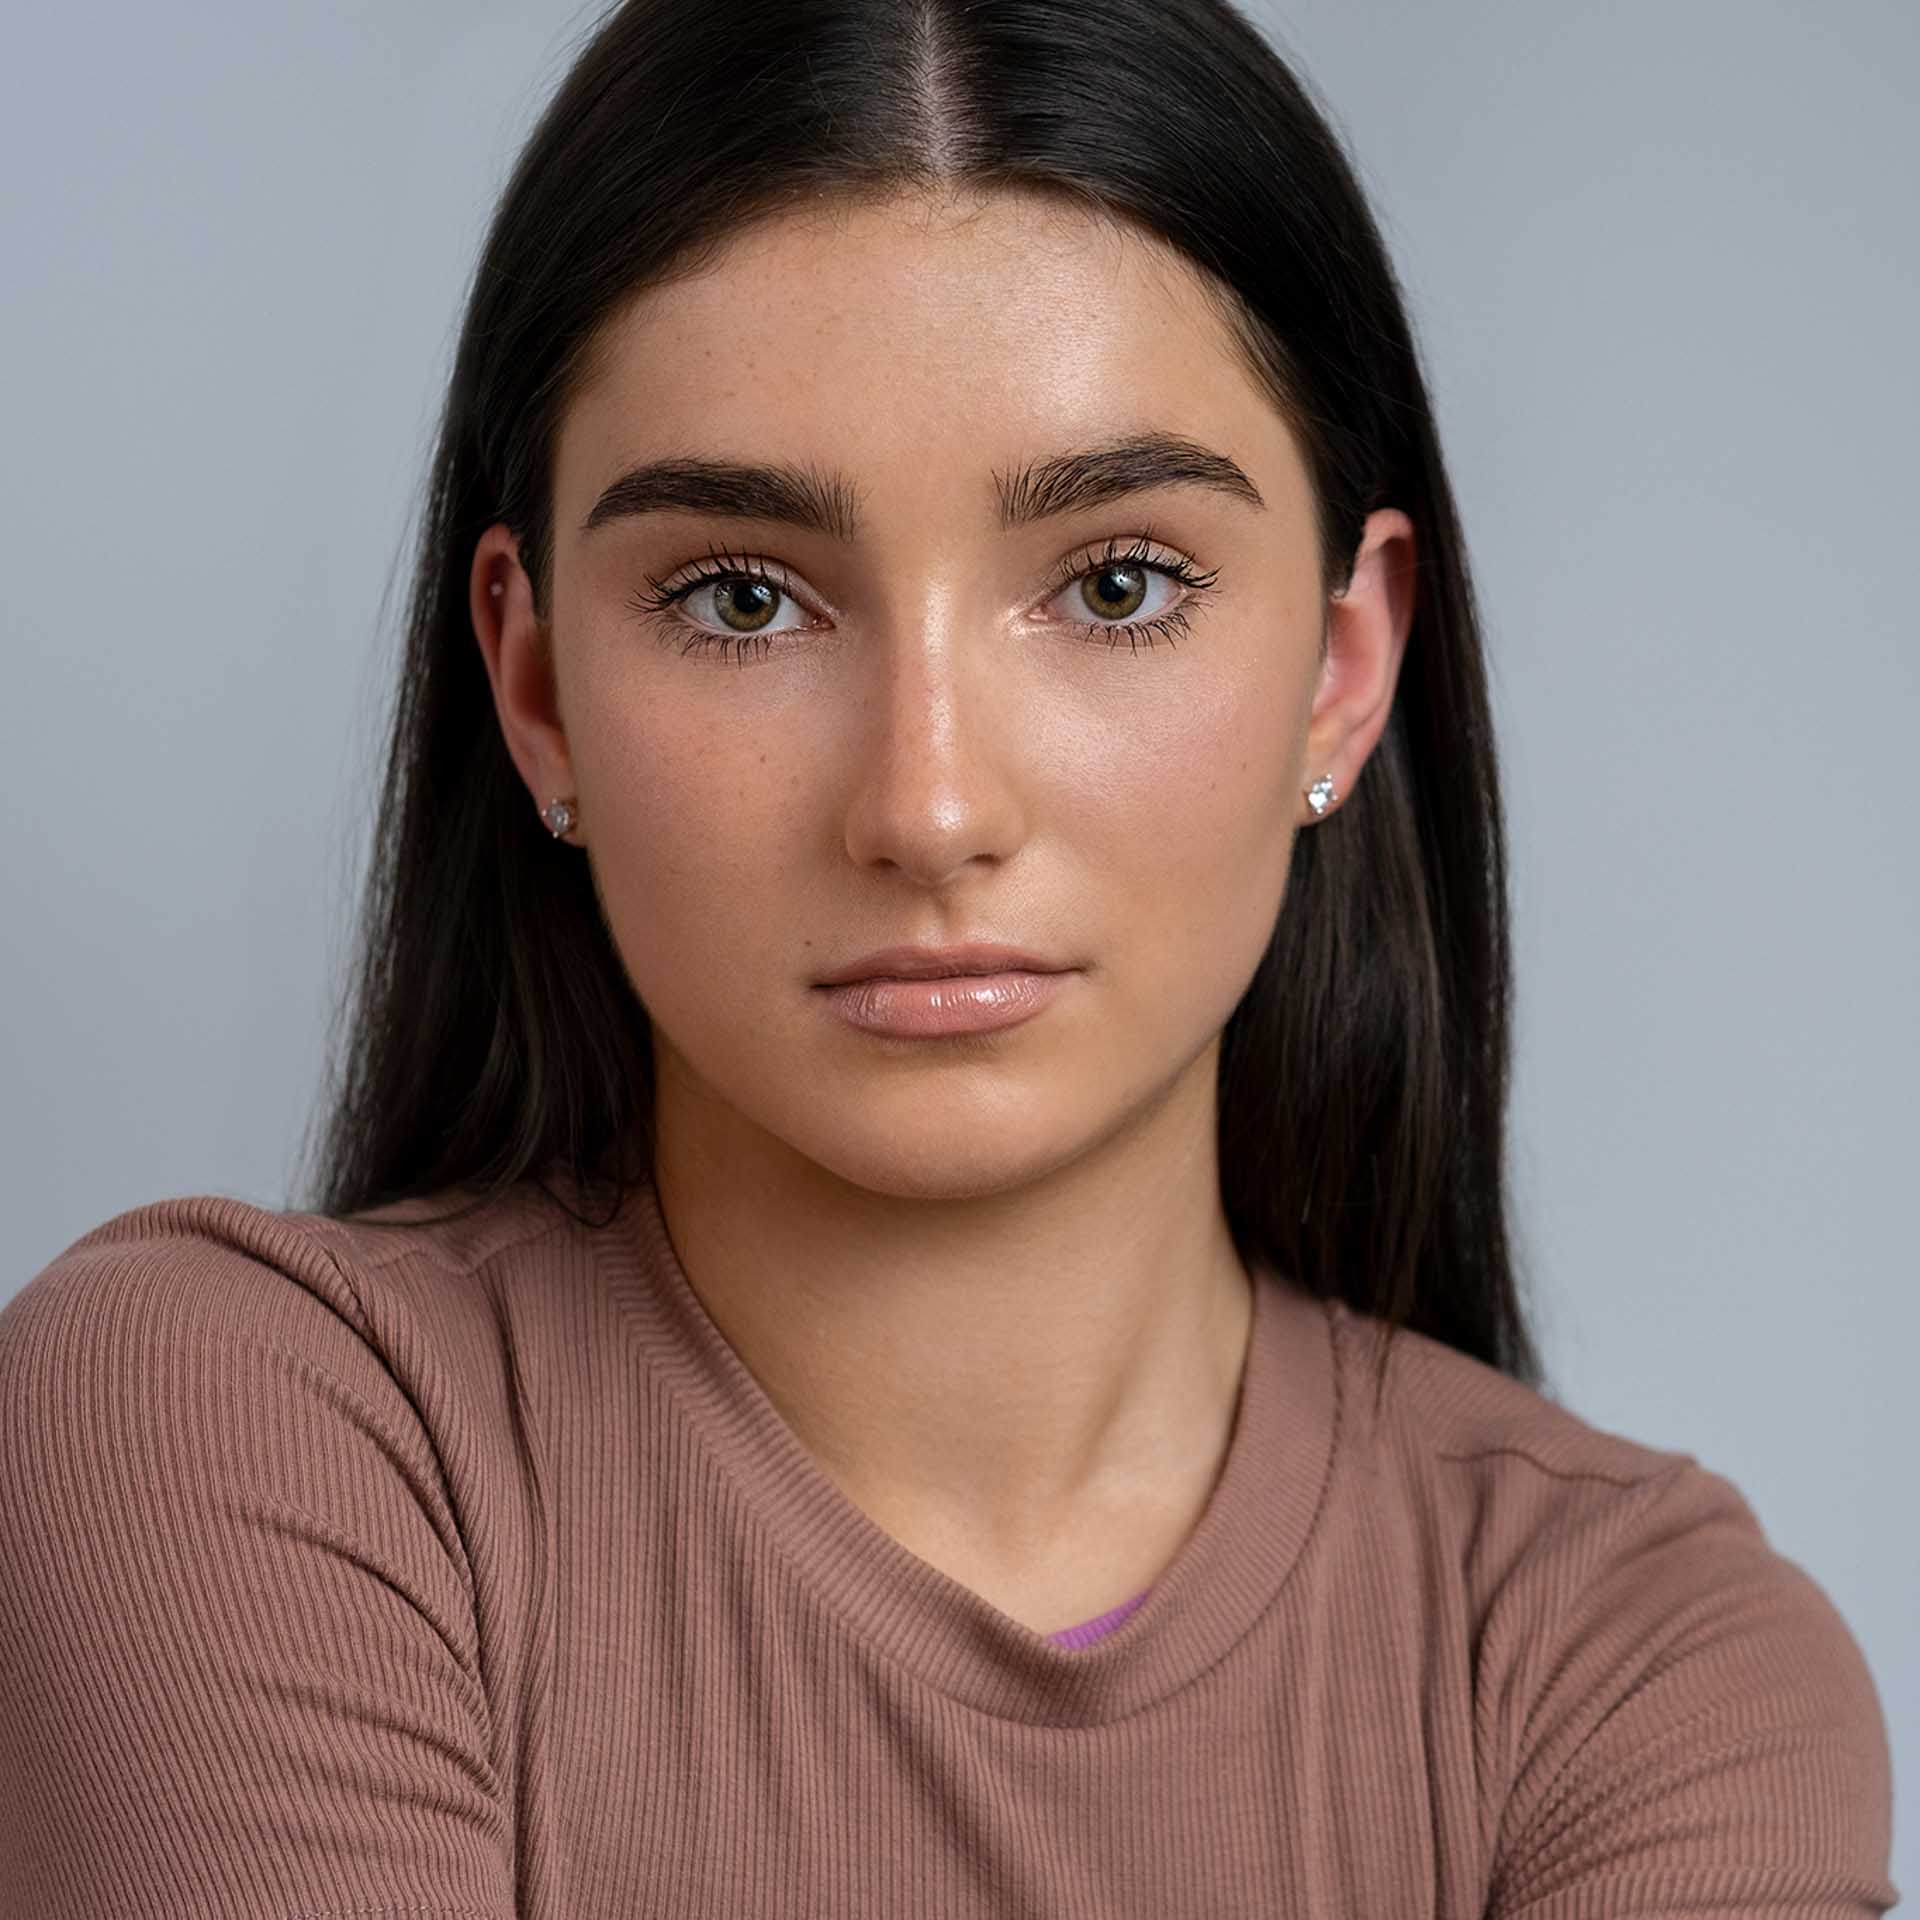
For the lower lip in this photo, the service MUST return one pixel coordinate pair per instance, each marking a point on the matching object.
(955, 1003)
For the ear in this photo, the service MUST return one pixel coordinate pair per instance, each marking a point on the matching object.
(1367, 627)
(518, 651)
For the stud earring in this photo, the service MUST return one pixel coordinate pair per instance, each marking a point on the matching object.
(1320, 796)
(559, 816)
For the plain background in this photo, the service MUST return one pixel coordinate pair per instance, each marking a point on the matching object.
(1664, 263)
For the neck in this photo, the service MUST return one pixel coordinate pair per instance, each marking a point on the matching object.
(1033, 1388)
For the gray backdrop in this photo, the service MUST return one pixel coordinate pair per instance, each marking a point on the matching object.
(1663, 258)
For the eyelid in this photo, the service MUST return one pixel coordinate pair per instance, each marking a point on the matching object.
(717, 562)
(1093, 553)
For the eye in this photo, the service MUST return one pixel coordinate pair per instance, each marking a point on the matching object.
(1113, 585)
(741, 595)
(1104, 591)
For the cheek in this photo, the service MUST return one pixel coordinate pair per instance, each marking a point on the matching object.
(1194, 795)
(690, 833)
(1187, 829)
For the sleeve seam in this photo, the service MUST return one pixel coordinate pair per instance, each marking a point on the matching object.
(1666, 1471)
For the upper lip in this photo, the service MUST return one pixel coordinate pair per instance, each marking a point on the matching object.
(933, 963)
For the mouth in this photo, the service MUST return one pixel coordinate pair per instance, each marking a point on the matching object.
(925, 1007)
(942, 963)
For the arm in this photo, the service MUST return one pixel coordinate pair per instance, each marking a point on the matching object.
(240, 1676)
(1703, 1736)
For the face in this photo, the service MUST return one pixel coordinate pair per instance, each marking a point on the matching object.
(975, 710)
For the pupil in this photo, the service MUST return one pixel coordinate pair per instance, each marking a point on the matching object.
(1107, 575)
(732, 594)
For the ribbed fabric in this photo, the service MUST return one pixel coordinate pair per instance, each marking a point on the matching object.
(378, 1569)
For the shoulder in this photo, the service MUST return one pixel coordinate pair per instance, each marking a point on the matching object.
(243, 1364)
(1503, 1479)
(217, 1268)
(1662, 1696)
(166, 1287)
(1448, 1408)
(199, 1333)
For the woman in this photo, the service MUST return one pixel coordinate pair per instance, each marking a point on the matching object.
(907, 1305)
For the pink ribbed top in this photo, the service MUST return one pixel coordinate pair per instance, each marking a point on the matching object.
(391, 1570)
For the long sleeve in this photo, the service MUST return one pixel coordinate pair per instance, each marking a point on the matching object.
(1702, 1734)
(239, 1676)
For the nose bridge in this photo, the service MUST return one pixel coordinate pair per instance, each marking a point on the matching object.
(936, 697)
(935, 758)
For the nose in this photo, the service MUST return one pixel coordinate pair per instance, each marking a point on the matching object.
(935, 761)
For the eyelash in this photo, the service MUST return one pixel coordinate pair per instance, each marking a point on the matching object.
(660, 599)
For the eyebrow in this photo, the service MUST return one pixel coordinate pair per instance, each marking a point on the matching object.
(829, 503)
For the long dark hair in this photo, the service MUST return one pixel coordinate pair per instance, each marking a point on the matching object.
(491, 1032)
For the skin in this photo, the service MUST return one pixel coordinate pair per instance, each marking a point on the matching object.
(988, 1283)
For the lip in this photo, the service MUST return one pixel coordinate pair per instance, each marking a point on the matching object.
(940, 963)
(954, 1003)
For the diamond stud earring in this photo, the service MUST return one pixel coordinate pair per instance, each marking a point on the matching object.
(559, 816)
(1320, 796)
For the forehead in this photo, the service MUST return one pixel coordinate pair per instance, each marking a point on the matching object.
(921, 335)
